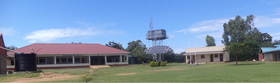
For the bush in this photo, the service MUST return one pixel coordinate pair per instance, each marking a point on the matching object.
(162, 64)
(40, 71)
(154, 64)
(86, 78)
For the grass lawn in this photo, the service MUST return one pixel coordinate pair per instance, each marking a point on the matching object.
(7, 78)
(181, 72)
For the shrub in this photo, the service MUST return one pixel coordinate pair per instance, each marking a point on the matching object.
(152, 63)
(162, 64)
(156, 63)
(86, 78)
(40, 71)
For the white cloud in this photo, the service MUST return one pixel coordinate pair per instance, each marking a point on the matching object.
(52, 34)
(217, 36)
(171, 35)
(217, 25)
(205, 26)
(7, 31)
(276, 36)
(265, 21)
(179, 50)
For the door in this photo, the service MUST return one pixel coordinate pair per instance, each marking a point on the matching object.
(221, 57)
(211, 58)
(97, 60)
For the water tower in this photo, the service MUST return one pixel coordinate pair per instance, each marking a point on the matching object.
(157, 37)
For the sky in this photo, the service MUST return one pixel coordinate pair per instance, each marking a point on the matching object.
(187, 22)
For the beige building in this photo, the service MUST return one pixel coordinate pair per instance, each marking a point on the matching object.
(62, 55)
(206, 54)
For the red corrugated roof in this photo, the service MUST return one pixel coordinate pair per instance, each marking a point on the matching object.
(60, 48)
(2, 51)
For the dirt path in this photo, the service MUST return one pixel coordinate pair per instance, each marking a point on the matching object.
(48, 76)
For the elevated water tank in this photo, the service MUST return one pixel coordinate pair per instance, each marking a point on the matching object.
(25, 62)
(156, 35)
(132, 60)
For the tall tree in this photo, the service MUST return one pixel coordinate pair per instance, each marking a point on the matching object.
(137, 49)
(235, 31)
(276, 42)
(210, 41)
(134, 44)
(238, 31)
(246, 48)
(264, 39)
(115, 45)
(11, 47)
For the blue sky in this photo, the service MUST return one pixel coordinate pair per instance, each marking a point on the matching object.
(187, 22)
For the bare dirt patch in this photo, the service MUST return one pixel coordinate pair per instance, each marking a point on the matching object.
(169, 69)
(125, 74)
(47, 76)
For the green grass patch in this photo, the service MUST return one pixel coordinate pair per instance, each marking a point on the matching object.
(11, 77)
(181, 72)
(69, 71)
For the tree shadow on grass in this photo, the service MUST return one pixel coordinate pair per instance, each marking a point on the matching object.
(247, 63)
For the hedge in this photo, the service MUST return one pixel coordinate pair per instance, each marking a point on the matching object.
(154, 64)
(162, 64)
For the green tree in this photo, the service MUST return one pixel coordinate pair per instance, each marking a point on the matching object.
(240, 30)
(11, 47)
(210, 41)
(115, 45)
(86, 78)
(235, 31)
(264, 39)
(241, 49)
(276, 42)
(137, 49)
(134, 44)
(169, 56)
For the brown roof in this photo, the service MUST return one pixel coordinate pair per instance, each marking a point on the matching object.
(2, 51)
(60, 48)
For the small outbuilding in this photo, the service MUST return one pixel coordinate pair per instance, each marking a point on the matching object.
(270, 53)
(71, 55)
(206, 54)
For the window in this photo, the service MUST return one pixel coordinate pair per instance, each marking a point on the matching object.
(50, 60)
(77, 60)
(221, 55)
(12, 62)
(70, 59)
(63, 60)
(42, 61)
(188, 57)
(113, 58)
(202, 56)
(216, 56)
(57, 60)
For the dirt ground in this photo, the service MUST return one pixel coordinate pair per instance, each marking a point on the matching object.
(48, 76)
(126, 74)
